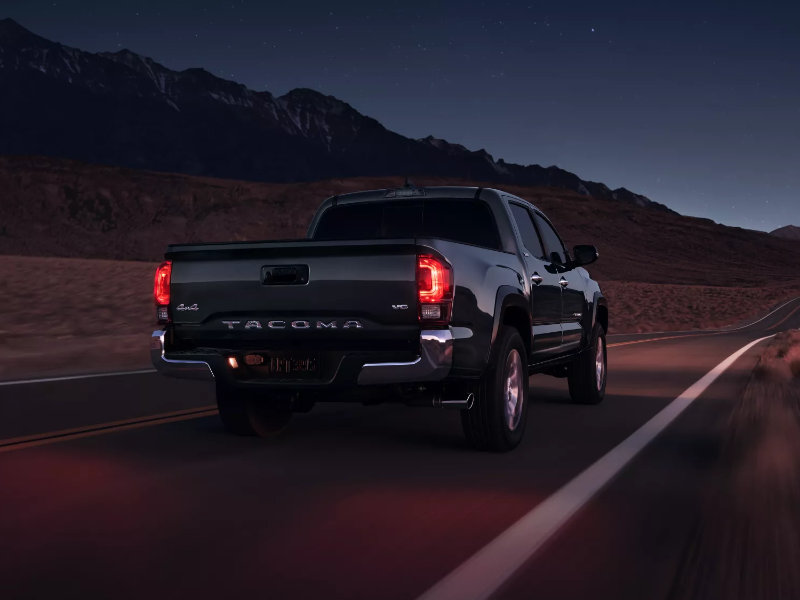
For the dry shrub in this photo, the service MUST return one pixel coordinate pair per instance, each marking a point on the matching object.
(780, 361)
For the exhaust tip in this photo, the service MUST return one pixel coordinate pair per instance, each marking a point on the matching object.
(470, 401)
(465, 404)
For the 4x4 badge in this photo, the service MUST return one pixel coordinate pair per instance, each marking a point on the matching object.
(184, 307)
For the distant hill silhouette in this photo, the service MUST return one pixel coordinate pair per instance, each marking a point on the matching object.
(789, 232)
(124, 109)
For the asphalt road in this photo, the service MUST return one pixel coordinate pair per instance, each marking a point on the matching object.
(126, 486)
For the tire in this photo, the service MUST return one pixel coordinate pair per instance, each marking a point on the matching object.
(587, 374)
(245, 413)
(496, 421)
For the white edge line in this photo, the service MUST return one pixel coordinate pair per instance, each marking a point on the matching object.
(71, 377)
(484, 572)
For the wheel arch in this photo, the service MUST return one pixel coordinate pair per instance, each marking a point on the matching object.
(511, 309)
(600, 311)
(597, 312)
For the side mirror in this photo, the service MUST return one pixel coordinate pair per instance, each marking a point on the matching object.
(584, 254)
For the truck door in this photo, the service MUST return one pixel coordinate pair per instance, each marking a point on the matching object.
(545, 289)
(570, 281)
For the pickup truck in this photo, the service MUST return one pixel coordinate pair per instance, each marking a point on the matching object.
(441, 296)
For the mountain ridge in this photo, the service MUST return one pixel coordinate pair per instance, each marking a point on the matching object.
(122, 108)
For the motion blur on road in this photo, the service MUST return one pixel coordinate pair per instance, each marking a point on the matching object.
(126, 486)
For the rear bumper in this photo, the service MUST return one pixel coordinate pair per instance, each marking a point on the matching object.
(182, 368)
(433, 363)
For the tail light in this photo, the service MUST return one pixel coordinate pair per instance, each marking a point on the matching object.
(434, 290)
(161, 290)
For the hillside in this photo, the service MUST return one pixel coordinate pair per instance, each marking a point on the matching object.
(55, 207)
(789, 232)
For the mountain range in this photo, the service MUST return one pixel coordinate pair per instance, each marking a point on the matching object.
(124, 109)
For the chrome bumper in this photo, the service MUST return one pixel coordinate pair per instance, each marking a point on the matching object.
(184, 369)
(433, 363)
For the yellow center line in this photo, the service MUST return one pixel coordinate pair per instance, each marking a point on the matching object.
(671, 337)
(63, 435)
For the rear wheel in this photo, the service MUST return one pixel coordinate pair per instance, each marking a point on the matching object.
(246, 413)
(497, 419)
(587, 374)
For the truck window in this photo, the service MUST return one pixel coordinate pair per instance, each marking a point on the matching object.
(459, 220)
(350, 222)
(530, 239)
(552, 243)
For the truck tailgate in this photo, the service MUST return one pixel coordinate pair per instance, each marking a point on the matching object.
(344, 295)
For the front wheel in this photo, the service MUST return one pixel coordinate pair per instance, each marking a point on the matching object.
(245, 413)
(497, 419)
(587, 374)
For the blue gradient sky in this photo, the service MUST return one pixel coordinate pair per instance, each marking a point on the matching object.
(693, 104)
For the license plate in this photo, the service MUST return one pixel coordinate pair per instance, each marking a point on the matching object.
(282, 366)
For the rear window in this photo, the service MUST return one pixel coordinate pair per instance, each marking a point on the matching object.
(467, 221)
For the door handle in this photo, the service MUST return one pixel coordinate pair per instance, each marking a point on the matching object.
(563, 282)
(536, 279)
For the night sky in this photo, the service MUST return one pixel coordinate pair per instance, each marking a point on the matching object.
(694, 104)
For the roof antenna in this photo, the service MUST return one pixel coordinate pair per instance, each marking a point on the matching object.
(408, 183)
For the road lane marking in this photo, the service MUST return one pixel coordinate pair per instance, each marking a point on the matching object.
(784, 319)
(71, 377)
(711, 331)
(672, 337)
(706, 332)
(63, 435)
(484, 572)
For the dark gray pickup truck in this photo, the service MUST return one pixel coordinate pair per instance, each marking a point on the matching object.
(441, 296)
